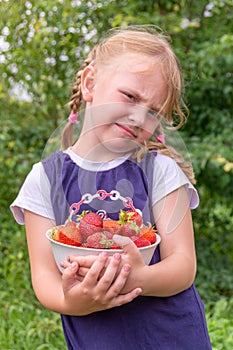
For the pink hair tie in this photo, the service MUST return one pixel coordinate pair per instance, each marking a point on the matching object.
(73, 118)
(160, 138)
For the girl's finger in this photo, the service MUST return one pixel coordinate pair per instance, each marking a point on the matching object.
(79, 278)
(84, 261)
(65, 264)
(126, 298)
(92, 276)
(109, 274)
(129, 248)
(69, 276)
(119, 283)
(83, 271)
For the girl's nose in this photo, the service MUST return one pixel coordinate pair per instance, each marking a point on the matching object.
(138, 116)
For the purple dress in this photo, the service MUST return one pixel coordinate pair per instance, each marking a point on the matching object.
(146, 323)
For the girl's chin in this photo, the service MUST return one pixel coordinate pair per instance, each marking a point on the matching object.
(120, 146)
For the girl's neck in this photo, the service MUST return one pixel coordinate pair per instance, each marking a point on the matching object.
(97, 153)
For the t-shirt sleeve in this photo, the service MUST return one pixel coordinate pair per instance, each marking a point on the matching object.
(168, 177)
(34, 195)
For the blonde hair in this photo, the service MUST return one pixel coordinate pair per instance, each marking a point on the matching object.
(145, 40)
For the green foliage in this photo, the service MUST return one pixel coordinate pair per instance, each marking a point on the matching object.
(22, 140)
(214, 250)
(24, 324)
(42, 45)
(212, 157)
(220, 324)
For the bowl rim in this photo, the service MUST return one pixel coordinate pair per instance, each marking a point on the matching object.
(157, 242)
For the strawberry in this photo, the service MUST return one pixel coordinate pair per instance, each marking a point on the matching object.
(66, 240)
(100, 240)
(115, 246)
(89, 224)
(148, 232)
(141, 242)
(129, 221)
(130, 216)
(135, 216)
(67, 234)
(130, 229)
(55, 233)
(72, 231)
(112, 226)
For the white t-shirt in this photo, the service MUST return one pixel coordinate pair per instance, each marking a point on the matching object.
(34, 195)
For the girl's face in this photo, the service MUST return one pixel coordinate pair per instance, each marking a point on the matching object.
(123, 100)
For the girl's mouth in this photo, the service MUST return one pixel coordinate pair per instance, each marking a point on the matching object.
(126, 130)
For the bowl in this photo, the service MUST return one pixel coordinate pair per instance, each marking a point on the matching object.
(62, 251)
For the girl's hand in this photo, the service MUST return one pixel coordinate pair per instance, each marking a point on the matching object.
(101, 287)
(132, 256)
(84, 263)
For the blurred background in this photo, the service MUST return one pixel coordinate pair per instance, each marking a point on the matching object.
(42, 45)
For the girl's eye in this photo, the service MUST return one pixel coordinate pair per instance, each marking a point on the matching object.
(130, 97)
(153, 113)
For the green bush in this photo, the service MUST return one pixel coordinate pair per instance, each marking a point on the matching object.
(24, 323)
(220, 324)
(213, 223)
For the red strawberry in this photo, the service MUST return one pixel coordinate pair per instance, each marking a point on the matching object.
(148, 232)
(115, 246)
(66, 240)
(67, 234)
(72, 231)
(130, 229)
(141, 242)
(100, 240)
(135, 216)
(89, 224)
(130, 216)
(112, 226)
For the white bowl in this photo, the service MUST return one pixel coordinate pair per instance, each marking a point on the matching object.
(62, 251)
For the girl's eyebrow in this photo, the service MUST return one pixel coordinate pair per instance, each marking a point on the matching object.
(141, 98)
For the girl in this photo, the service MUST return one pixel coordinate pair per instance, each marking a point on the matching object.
(130, 83)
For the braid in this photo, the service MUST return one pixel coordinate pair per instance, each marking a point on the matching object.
(170, 152)
(76, 101)
(76, 98)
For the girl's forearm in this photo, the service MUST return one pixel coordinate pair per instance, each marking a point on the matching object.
(49, 292)
(168, 277)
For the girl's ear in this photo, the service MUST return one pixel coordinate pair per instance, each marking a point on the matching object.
(88, 83)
